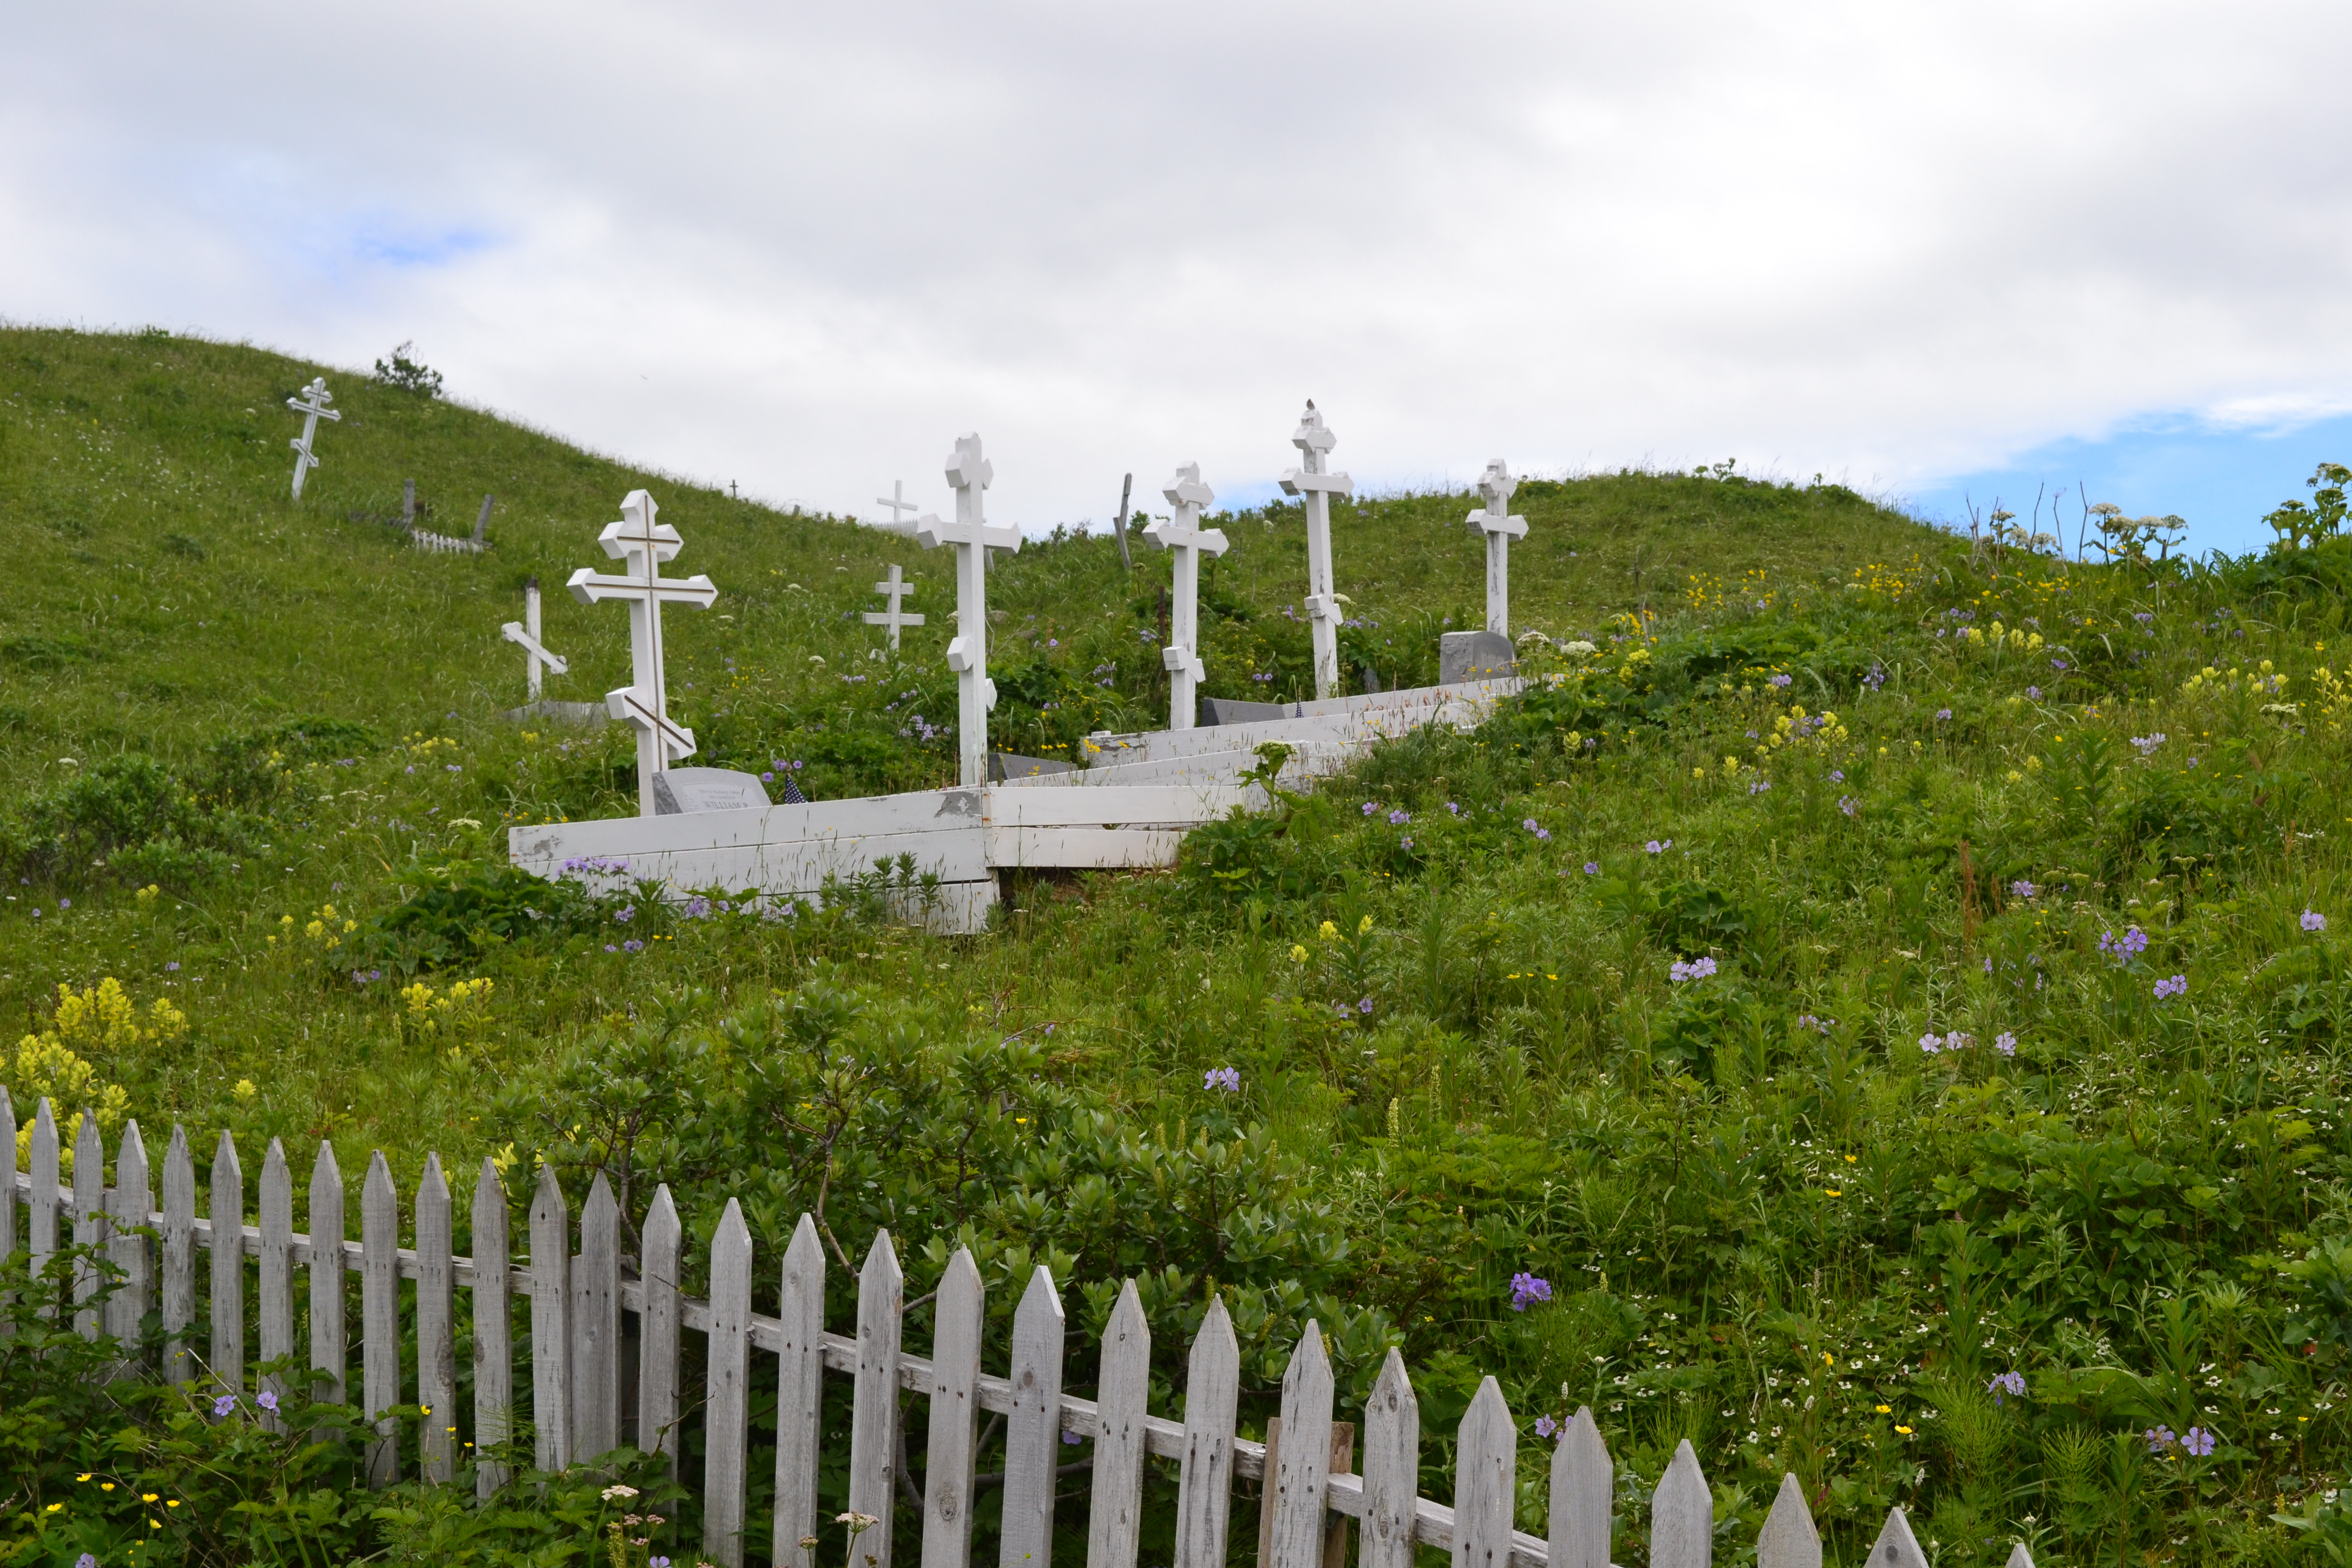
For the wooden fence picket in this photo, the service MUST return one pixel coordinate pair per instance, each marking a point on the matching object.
(1304, 1460)
(131, 1209)
(596, 1325)
(550, 1323)
(1032, 1430)
(225, 1211)
(493, 1331)
(1583, 1489)
(2019, 1557)
(727, 1413)
(330, 1333)
(1392, 1468)
(8, 1197)
(800, 1392)
(1122, 1394)
(90, 1218)
(1897, 1547)
(1682, 1515)
(176, 1249)
(661, 1245)
(1486, 1471)
(958, 1314)
(380, 1317)
(41, 1215)
(874, 1410)
(277, 1299)
(436, 1327)
(1204, 1489)
(1789, 1539)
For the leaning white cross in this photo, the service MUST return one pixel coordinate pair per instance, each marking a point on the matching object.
(1182, 531)
(894, 617)
(1495, 486)
(969, 473)
(312, 406)
(526, 633)
(1318, 487)
(899, 504)
(644, 545)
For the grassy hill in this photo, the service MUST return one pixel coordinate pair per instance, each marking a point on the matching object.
(1889, 998)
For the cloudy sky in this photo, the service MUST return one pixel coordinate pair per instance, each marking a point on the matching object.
(1943, 253)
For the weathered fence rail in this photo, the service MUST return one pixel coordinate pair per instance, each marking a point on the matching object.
(577, 1304)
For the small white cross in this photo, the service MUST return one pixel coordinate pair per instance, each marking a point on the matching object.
(1313, 438)
(312, 406)
(969, 473)
(1182, 531)
(525, 632)
(894, 617)
(644, 545)
(898, 503)
(1495, 486)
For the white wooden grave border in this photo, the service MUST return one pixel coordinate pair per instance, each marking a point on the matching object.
(577, 1300)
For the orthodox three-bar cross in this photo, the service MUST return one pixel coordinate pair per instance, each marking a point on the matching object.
(312, 406)
(526, 633)
(969, 473)
(1317, 487)
(1495, 486)
(894, 617)
(1182, 531)
(641, 545)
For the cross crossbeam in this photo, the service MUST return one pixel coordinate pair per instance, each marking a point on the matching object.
(642, 545)
(969, 473)
(1495, 486)
(525, 633)
(1317, 485)
(1181, 532)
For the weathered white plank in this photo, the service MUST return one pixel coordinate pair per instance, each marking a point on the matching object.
(89, 1219)
(226, 1212)
(275, 1304)
(178, 1252)
(874, 1416)
(1205, 1492)
(1032, 1431)
(1897, 1547)
(380, 1317)
(131, 1209)
(1392, 1468)
(661, 1245)
(1485, 1468)
(329, 1332)
(1303, 1463)
(41, 1212)
(1789, 1539)
(800, 1392)
(596, 1326)
(493, 1331)
(727, 1415)
(8, 1188)
(1115, 1520)
(2019, 1557)
(957, 1308)
(1682, 1515)
(437, 1336)
(1583, 1485)
(550, 1323)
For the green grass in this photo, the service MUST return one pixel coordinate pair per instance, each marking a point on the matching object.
(1763, 1210)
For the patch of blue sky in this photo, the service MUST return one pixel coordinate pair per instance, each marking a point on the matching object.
(397, 245)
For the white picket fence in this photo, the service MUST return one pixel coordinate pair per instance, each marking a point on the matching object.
(578, 1299)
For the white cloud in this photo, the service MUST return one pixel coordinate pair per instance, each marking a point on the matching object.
(803, 248)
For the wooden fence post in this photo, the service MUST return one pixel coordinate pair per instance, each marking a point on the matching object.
(1897, 1547)
(800, 1394)
(380, 1317)
(90, 1218)
(727, 1417)
(1583, 1491)
(227, 1210)
(436, 1336)
(277, 1299)
(663, 1245)
(1392, 1468)
(1032, 1432)
(1682, 1515)
(329, 1339)
(873, 1414)
(1485, 1477)
(179, 1256)
(550, 1323)
(1303, 1465)
(958, 1315)
(596, 1325)
(130, 1209)
(493, 1331)
(1204, 1489)
(1115, 1521)
(8, 1194)
(1789, 1539)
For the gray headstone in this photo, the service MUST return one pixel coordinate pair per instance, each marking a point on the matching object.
(677, 791)
(1234, 710)
(1475, 656)
(1002, 765)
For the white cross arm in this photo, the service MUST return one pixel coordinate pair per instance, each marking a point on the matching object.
(1168, 536)
(618, 539)
(301, 407)
(931, 532)
(1181, 659)
(1295, 480)
(590, 586)
(883, 618)
(514, 633)
(1323, 607)
(1517, 527)
(630, 705)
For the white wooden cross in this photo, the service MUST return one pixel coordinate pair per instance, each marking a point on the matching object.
(643, 545)
(312, 406)
(969, 473)
(894, 617)
(526, 633)
(1182, 531)
(1497, 485)
(1318, 487)
(899, 504)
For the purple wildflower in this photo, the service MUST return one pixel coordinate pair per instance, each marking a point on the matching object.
(267, 1400)
(2009, 1385)
(2005, 1043)
(2021, 889)
(2312, 921)
(1592, 868)
(1365, 1007)
(1848, 805)
(1527, 1290)
(2034, 692)
(1943, 714)
(1696, 968)
(224, 1404)
(2197, 1442)
(1546, 1426)
(2173, 987)
(1227, 1078)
